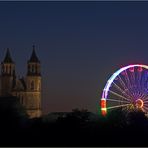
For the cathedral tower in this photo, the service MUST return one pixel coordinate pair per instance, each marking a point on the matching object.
(33, 86)
(27, 89)
(7, 75)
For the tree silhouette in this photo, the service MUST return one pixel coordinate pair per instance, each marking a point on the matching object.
(12, 113)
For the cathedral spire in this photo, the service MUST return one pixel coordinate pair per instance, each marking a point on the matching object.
(34, 58)
(33, 64)
(8, 58)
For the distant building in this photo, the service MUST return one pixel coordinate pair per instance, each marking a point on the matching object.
(28, 88)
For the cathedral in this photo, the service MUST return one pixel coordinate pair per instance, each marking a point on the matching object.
(27, 88)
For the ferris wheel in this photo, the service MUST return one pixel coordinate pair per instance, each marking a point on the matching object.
(127, 88)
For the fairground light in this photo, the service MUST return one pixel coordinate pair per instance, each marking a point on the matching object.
(127, 88)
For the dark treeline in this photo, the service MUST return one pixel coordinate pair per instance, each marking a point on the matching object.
(77, 128)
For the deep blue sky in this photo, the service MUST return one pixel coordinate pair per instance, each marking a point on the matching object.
(80, 44)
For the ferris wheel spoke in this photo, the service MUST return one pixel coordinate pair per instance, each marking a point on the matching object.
(145, 102)
(136, 86)
(122, 91)
(118, 95)
(125, 87)
(139, 86)
(143, 84)
(122, 83)
(127, 79)
(145, 97)
(139, 79)
(132, 84)
(145, 108)
(120, 101)
(139, 95)
(133, 78)
(124, 105)
(147, 81)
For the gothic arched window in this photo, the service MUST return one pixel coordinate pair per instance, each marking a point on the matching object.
(36, 67)
(32, 68)
(39, 86)
(6, 69)
(32, 85)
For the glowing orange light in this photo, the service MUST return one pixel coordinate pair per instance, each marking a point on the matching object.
(103, 103)
(104, 111)
(103, 107)
(139, 103)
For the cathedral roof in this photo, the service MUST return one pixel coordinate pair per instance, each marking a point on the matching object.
(23, 83)
(19, 84)
(8, 58)
(34, 58)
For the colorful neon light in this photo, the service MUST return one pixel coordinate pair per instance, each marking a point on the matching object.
(139, 103)
(112, 78)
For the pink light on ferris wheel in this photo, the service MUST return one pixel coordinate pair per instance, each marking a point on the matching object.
(113, 78)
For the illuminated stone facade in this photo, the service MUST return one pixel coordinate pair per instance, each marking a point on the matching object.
(27, 88)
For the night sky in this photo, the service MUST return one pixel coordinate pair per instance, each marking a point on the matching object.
(80, 45)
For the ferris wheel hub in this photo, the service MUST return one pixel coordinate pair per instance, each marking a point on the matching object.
(125, 89)
(139, 103)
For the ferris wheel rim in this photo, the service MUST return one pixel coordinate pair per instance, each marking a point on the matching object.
(113, 77)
